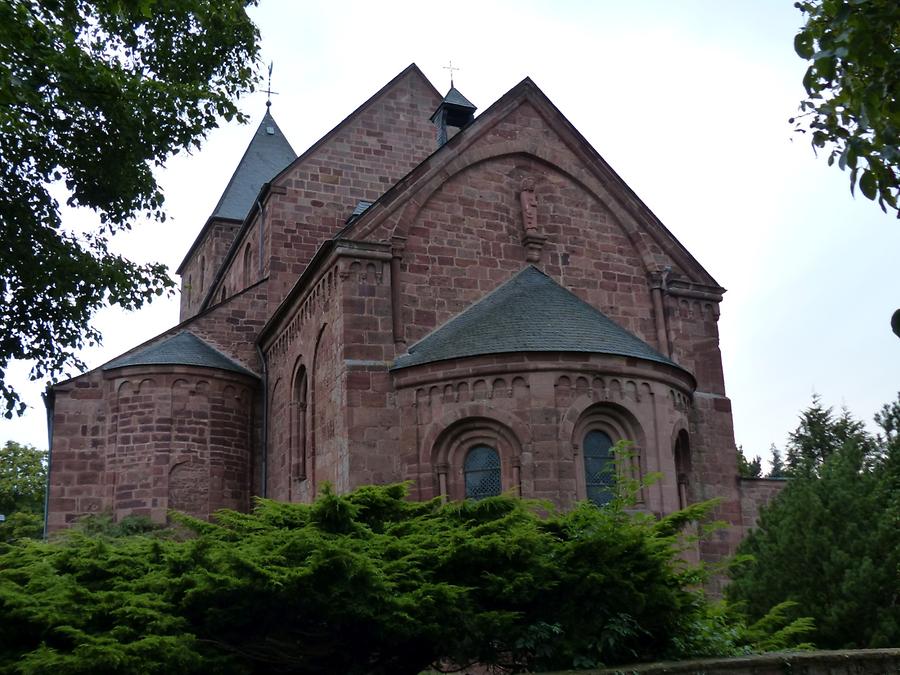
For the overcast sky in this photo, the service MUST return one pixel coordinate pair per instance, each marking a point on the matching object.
(688, 101)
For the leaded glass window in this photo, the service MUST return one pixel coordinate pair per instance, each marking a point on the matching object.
(599, 467)
(482, 472)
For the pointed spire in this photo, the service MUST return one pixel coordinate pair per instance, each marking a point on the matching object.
(267, 154)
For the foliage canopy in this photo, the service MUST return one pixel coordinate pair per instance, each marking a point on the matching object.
(93, 96)
(23, 483)
(852, 104)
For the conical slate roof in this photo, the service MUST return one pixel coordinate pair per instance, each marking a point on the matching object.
(528, 313)
(268, 153)
(183, 349)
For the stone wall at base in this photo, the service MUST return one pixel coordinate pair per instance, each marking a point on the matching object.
(843, 662)
(756, 493)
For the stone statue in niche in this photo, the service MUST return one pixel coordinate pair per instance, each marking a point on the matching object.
(529, 205)
(532, 240)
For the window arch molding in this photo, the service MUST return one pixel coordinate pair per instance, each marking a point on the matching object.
(620, 425)
(453, 445)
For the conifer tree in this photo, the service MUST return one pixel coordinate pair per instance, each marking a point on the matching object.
(778, 469)
(830, 541)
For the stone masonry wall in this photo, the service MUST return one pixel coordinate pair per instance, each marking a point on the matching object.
(756, 493)
(307, 441)
(201, 268)
(846, 662)
(535, 410)
(360, 161)
(77, 483)
(143, 440)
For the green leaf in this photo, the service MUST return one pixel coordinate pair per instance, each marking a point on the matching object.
(868, 185)
(803, 45)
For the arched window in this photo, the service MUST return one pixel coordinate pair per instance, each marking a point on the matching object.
(599, 467)
(202, 273)
(187, 289)
(299, 426)
(224, 291)
(683, 466)
(482, 472)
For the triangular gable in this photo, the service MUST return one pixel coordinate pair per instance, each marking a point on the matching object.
(411, 70)
(592, 171)
(528, 313)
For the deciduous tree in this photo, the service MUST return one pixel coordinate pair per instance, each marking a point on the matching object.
(852, 104)
(93, 96)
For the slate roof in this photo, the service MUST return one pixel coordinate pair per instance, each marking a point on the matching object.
(360, 209)
(183, 349)
(268, 153)
(528, 313)
(454, 97)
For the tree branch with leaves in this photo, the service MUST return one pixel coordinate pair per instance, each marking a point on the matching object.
(93, 96)
(851, 109)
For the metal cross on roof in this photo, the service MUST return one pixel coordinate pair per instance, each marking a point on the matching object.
(269, 91)
(451, 68)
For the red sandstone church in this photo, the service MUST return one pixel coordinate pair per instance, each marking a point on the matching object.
(473, 305)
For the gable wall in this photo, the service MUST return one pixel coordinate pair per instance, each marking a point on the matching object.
(238, 275)
(212, 250)
(360, 162)
(467, 240)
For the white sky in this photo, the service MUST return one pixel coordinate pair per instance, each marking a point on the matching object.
(688, 101)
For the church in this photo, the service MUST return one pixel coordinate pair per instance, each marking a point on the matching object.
(474, 304)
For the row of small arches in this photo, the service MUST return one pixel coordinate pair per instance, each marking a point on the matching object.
(473, 391)
(320, 295)
(690, 308)
(603, 388)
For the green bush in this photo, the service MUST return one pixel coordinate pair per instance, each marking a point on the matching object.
(362, 583)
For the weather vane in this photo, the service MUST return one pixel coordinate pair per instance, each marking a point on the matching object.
(269, 91)
(451, 68)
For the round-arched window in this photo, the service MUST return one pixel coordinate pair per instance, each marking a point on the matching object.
(482, 472)
(599, 467)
